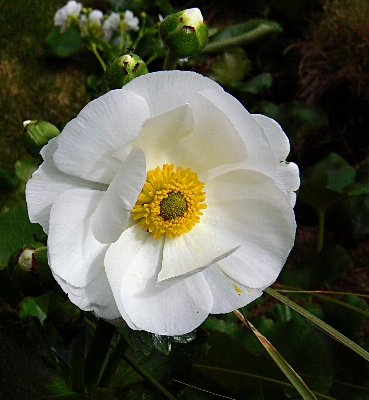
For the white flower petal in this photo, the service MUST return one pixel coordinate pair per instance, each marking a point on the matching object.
(74, 254)
(96, 296)
(228, 294)
(192, 252)
(260, 156)
(277, 139)
(213, 142)
(87, 143)
(159, 135)
(111, 215)
(246, 208)
(166, 308)
(47, 184)
(287, 178)
(166, 90)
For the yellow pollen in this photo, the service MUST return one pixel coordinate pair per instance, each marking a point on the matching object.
(170, 202)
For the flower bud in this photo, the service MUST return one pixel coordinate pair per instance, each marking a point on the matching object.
(185, 32)
(29, 270)
(123, 70)
(36, 134)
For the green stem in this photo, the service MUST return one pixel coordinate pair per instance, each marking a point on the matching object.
(320, 324)
(170, 61)
(97, 55)
(321, 215)
(113, 363)
(97, 353)
(141, 32)
(78, 362)
(258, 33)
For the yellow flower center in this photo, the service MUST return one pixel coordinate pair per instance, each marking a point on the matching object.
(170, 202)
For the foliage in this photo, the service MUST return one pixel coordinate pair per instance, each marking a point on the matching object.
(44, 339)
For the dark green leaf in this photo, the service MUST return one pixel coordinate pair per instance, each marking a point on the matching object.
(138, 340)
(328, 264)
(65, 44)
(256, 84)
(29, 366)
(299, 119)
(9, 181)
(237, 30)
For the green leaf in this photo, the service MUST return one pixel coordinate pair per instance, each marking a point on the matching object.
(323, 267)
(9, 181)
(246, 27)
(299, 119)
(29, 366)
(65, 44)
(240, 35)
(15, 231)
(326, 182)
(230, 66)
(256, 84)
(138, 340)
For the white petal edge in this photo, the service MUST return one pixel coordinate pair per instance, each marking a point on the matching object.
(74, 254)
(248, 209)
(166, 90)
(113, 211)
(96, 296)
(47, 183)
(260, 157)
(192, 252)
(228, 294)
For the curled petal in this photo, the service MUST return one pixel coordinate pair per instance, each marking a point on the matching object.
(165, 308)
(113, 211)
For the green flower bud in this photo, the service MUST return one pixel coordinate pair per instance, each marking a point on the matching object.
(36, 134)
(67, 319)
(124, 69)
(185, 32)
(29, 270)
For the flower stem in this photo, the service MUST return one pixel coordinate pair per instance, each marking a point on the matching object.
(170, 61)
(321, 215)
(78, 362)
(113, 363)
(101, 61)
(97, 353)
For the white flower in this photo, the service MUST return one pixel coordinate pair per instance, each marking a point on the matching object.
(92, 20)
(131, 21)
(62, 16)
(110, 25)
(95, 16)
(165, 201)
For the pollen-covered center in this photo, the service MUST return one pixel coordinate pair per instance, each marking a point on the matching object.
(173, 206)
(170, 202)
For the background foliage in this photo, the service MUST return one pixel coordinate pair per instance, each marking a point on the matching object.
(309, 71)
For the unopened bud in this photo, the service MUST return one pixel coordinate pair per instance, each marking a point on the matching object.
(123, 70)
(36, 134)
(29, 270)
(185, 32)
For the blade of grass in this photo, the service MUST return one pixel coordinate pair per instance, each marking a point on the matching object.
(320, 324)
(283, 365)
